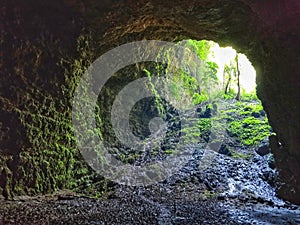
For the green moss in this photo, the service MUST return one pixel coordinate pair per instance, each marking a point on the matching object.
(169, 151)
(209, 194)
(198, 132)
(199, 98)
(239, 155)
(250, 130)
(249, 97)
(48, 158)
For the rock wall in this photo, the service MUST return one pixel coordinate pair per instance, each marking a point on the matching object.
(37, 151)
(36, 89)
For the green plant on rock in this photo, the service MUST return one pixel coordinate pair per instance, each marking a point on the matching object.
(250, 131)
(169, 151)
(199, 98)
(199, 132)
(239, 155)
(52, 161)
(209, 194)
(249, 96)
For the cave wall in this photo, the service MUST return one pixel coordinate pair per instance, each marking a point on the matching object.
(37, 150)
(36, 89)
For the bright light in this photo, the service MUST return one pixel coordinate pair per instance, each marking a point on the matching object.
(248, 74)
(223, 56)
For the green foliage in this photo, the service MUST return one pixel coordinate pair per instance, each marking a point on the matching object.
(230, 94)
(209, 194)
(204, 125)
(201, 48)
(248, 129)
(158, 99)
(249, 96)
(199, 98)
(182, 82)
(169, 151)
(199, 132)
(212, 70)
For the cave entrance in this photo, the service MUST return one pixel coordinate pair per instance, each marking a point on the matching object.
(224, 128)
(222, 93)
(225, 65)
(214, 107)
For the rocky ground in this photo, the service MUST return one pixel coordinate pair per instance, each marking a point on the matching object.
(231, 191)
(237, 186)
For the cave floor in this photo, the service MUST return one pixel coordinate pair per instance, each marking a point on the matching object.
(130, 207)
(229, 192)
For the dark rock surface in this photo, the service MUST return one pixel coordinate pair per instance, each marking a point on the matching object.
(224, 150)
(263, 148)
(227, 192)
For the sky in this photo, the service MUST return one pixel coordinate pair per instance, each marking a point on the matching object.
(223, 56)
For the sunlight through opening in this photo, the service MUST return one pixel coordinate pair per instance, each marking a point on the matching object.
(224, 56)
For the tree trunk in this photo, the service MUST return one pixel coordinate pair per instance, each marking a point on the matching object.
(238, 96)
(226, 90)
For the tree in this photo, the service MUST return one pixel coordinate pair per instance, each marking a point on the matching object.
(238, 73)
(232, 71)
(227, 75)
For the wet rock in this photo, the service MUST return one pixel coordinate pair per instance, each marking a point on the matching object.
(198, 110)
(179, 219)
(243, 198)
(255, 114)
(232, 195)
(221, 196)
(224, 150)
(263, 148)
(247, 109)
(271, 161)
(262, 112)
(209, 111)
(214, 108)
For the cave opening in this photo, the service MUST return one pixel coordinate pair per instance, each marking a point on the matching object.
(209, 111)
(224, 82)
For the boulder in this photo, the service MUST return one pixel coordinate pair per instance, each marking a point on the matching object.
(224, 150)
(263, 149)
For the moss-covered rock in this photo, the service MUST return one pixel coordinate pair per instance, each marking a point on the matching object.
(248, 129)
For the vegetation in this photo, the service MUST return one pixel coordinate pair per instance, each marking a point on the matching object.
(241, 117)
(48, 159)
(53, 162)
(250, 130)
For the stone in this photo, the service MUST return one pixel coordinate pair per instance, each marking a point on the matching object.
(221, 196)
(271, 161)
(264, 147)
(262, 112)
(263, 150)
(207, 113)
(255, 114)
(224, 150)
